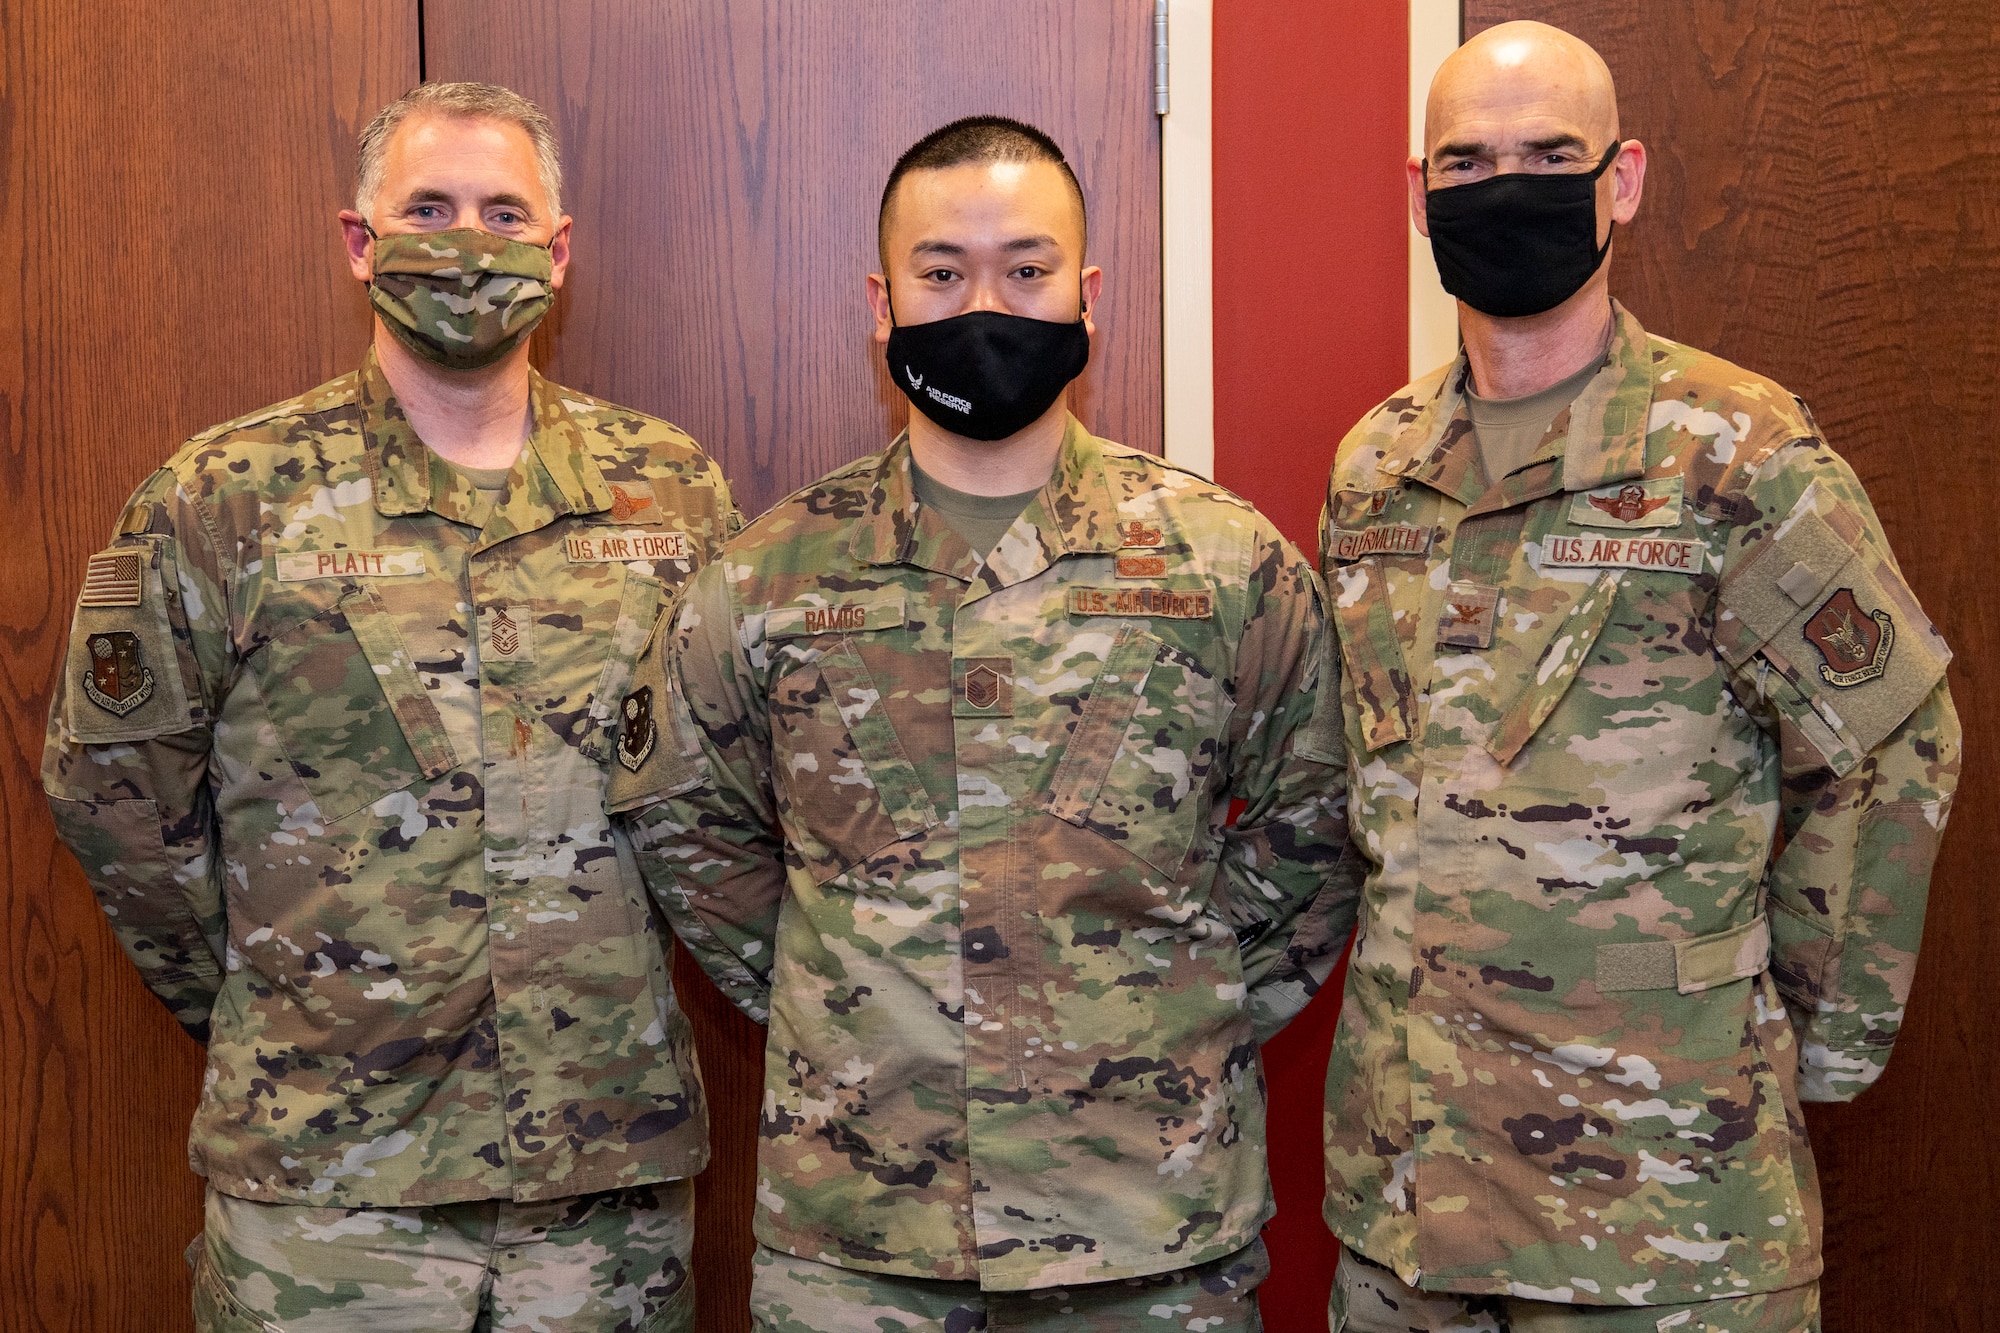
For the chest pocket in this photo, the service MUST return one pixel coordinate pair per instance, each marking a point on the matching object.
(1139, 759)
(348, 707)
(848, 789)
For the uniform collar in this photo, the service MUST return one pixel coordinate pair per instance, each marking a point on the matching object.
(1073, 513)
(1600, 439)
(554, 476)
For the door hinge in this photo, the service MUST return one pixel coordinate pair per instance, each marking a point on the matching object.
(1159, 57)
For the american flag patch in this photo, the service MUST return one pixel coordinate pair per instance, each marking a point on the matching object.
(113, 579)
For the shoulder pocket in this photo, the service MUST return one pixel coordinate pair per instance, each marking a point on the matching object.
(127, 672)
(1835, 622)
(348, 707)
(1140, 756)
(848, 789)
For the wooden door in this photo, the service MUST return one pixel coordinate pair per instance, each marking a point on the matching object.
(725, 162)
(1823, 205)
(172, 174)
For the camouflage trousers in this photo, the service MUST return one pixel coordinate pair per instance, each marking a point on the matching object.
(615, 1262)
(1368, 1298)
(791, 1295)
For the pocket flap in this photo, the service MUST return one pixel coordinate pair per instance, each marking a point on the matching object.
(1575, 635)
(1783, 577)
(897, 785)
(375, 630)
(1372, 653)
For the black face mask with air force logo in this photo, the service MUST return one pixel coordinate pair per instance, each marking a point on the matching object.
(984, 374)
(1519, 243)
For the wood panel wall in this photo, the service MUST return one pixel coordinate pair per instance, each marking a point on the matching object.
(1823, 205)
(726, 162)
(167, 212)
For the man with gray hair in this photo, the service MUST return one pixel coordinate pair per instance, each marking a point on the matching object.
(331, 743)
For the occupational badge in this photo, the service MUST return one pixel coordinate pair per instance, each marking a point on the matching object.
(637, 732)
(1855, 643)
(1136, 533)
(118, 681)
(1630, 504)
(624, 503)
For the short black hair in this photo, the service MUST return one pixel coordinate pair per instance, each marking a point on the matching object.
(973, 141)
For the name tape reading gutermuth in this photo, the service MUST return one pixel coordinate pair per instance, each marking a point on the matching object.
(1382, 539)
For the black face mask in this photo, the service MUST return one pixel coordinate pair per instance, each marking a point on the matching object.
(985, 375)
(1517, 244)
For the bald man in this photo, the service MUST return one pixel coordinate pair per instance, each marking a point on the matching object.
(1650, 750)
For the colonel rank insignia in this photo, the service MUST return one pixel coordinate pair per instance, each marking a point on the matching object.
(1855, 643)
(118, 681)
(637, 734)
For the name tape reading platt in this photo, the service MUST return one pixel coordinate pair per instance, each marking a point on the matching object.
(583, 550)
(298, 566)
(1664, 555)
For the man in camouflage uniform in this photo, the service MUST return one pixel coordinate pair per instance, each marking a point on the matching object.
(944, 758)
(331, 743)
(1651, 752)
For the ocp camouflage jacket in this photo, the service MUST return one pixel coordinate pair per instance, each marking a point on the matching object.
(959, 830)
(331, 744)
(1651, 751)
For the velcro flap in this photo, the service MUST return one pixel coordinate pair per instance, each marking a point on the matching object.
(837, 613)
(1785, 574)
(1689, 966)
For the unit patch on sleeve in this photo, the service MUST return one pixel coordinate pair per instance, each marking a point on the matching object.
(1855, 644)
(114, 578)
(1630, 504)
(637, 731)
(118, 680)
(1166, 603)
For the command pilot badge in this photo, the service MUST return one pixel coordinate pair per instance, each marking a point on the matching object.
(1855, 644)
(118, 681)
(637, 733)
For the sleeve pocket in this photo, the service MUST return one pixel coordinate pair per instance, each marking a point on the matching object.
(123, 677)
(1834, 620)
(1372, 653)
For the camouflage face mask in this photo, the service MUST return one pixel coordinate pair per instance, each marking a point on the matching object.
(462, 298)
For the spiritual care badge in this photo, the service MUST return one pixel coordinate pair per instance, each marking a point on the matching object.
(637, 732)
(1855, 643)
(119, 680)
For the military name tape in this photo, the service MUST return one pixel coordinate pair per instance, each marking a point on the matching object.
(298, 566)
